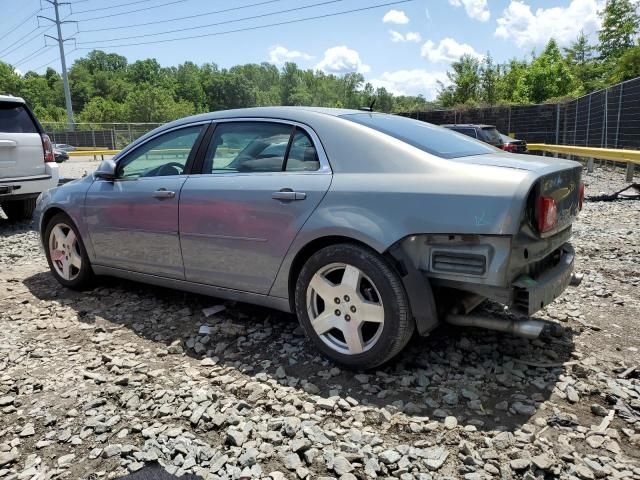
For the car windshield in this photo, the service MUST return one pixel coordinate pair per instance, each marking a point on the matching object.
(429, 138)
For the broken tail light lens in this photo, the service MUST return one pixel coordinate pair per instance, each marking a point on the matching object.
(547, 214)
(48, 149)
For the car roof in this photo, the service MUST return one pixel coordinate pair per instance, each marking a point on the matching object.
(11, 98)
(293, 113)
(478, 125)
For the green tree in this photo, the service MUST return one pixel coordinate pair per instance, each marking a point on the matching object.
(547, 77)
(581, 57)
(628, 66)
(620, 27)
(465, 82)
(488, 80)
(147, 103)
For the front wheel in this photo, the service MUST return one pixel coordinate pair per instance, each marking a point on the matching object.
(66, 254)
(353, 307)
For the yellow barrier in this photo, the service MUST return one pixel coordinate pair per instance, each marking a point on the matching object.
(84, 153)
(615, 154)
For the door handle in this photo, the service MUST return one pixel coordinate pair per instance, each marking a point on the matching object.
(7, 144)
(163, 193)
(287, 195)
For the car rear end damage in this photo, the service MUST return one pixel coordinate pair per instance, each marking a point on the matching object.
(525, 272)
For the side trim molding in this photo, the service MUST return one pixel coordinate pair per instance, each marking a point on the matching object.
(277, 303)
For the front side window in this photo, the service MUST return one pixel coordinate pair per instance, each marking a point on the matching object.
(247, 147)
(165, 155)
(429, 138)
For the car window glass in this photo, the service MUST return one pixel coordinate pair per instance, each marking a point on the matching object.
(14, 118)
(302, 154)
(491, 135)
(164, 155)
(247, 147)
(430, 138)
(470, 132)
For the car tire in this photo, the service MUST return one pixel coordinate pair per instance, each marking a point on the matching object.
(66, 253)
(17, 210)
(367, 322)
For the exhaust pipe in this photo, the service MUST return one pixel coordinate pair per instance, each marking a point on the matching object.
(576, 279)
(525, 328)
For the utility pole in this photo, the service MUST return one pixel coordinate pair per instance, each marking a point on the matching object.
(60, 40)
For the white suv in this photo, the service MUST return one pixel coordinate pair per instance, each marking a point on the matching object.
(27, 163)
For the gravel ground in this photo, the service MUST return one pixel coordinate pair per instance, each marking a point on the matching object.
(106, 382)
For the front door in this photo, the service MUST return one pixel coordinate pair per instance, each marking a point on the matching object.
(133, 220)
(260, 182)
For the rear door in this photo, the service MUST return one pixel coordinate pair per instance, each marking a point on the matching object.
(260, 181)
(21, 152)
(133, 220)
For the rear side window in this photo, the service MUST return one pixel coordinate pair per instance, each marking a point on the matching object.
(247, 147)
(429, 138)
(14, 118)
(491, 135)
(469, 132)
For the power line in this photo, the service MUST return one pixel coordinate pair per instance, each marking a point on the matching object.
(181, 18)
(289, 10)
(29, 17)
(32, 55)
(132, 11)
(19, 40)
(126, 4)
(257, 27)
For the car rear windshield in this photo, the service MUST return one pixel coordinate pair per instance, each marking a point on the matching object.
(14, 118)
(435, 140)
(491, 135)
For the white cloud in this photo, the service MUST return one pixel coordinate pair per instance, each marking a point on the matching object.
(408, 37)
(396, 16)
(340, 60)
(411, 82)
(476, 9)
(279, 55)
(448, 50)
(526, 28)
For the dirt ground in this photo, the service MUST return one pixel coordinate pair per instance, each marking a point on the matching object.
(106, 382)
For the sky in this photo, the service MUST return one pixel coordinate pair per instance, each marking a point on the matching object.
(405, 47)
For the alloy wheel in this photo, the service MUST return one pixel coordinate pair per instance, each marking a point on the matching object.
(64, 250)
(345, 308)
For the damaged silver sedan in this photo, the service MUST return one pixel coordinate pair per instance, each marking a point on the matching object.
(369, 227)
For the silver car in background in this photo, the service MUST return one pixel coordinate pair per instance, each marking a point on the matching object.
(367, 226)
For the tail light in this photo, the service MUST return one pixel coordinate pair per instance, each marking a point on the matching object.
(509, 147)
(48, 149)
(547, 214)
(581, 196)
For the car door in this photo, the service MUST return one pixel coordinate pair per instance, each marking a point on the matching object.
(133, 220)
(260, 181)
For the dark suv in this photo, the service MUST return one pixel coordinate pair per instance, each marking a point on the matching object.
(485, 133)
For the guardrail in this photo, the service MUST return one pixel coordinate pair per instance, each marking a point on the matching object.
(630, 157)
(94, 153)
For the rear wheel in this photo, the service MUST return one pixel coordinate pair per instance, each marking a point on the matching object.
(66, 254)
(19, 209)
(353, 307)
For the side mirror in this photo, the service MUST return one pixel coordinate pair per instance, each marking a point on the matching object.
(106, 170)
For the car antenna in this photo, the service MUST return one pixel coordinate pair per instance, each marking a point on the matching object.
(370, 107)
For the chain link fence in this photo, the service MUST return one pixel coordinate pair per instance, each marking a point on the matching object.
(98, 135)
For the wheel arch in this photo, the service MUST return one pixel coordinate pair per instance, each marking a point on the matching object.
(307, 251)
(46, 217)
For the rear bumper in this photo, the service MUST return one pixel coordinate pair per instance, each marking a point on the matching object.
(530, 295)
(25, 187)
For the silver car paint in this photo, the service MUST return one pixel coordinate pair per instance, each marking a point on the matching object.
(382, 191)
